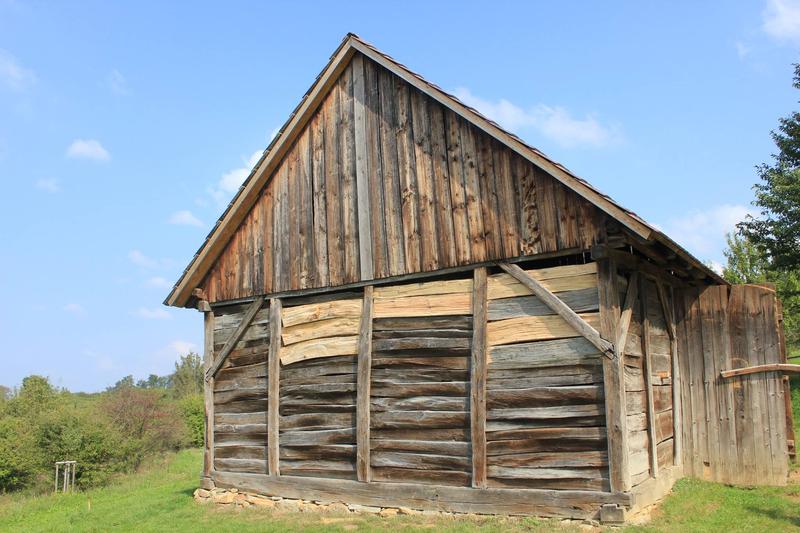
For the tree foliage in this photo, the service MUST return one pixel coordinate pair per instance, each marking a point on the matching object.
(776, 230)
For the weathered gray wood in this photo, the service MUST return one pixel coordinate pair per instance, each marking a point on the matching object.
(538, 502)
(478, 377)
(362, 177)
(613, 378)
(621, 334)
(234, 339)
(450, 448)
(580, 301)
(552, 353)
(273, 387)
(757, 369)
(648, 379)
(559, 307)
(208, 398)
(363, 390)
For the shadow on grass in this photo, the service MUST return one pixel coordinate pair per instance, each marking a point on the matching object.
(792, 519)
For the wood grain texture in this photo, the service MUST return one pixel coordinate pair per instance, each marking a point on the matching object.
(384, 181)
(273, 386)
(478, 374)
(363, 389)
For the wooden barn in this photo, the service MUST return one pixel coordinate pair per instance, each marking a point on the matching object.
(406, 305)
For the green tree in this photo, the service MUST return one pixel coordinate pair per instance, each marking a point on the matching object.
(777, 228)
(187, 380)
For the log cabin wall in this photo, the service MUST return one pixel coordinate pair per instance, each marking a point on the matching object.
(384, 181)
(544, 424)
(546, 416)
(240, 393)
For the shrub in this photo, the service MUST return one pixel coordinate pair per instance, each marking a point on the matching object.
(194, 417)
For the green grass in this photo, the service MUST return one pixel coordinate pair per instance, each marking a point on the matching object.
(160, 498)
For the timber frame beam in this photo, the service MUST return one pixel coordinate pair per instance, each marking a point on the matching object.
(560, 308)
(229, 346)
(775, 367)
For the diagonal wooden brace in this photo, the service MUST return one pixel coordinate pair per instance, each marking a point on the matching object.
(228, 348)
(560, 308)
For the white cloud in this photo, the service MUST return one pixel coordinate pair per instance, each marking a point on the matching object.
(703, 232)
(75, 309)
(274, 133)
(139, 259)
(157, 282)
(117, 83)
(742, 50)
(50, 185)
(175, 349)
(156, 313)
(781, 20)
(184, 218)
(553, 122)
(230, 182)
(88, 149)
(14, 76)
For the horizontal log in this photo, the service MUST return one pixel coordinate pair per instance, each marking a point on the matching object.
(434, 447)
(538, 502)
(460, 434)
(419, 461)
(436, 333)
(400, 375)
(639, 463)
(236, 383)
(592, 458)
(345, 452)
(318, 368)
(580, 301)
(415, 419)
(540, 423)
(558, 412)
(546, 473)
(316, 390)
(420, 343)
(664, 426)
(419, 403)
(241, 452)
(221, 397)
(400, 389)
(598, 485)
(638, 440)
(399, 324)
(331, 327)
(290, 465)
(380, 360)
(560, 352)
(258, 370)
(662, 398)
(428, 288)
(417, 306)
(544, 396)
(637, 422)
(240, 428)
(586, 378)
(430, 477)
(533, 328)
(253, 466)
(243, 406)
(317, 348)
(300, 314)
(257, 417)
(664, 453)
(597, 434)
(308, 438)
(239, 439)
(316, 421)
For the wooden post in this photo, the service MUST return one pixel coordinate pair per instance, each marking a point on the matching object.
(362, 177)
(648, 380)
(363, 388)
(273, 386)
(478, 373)
(208, 396)
(677, 414)
(613, 379)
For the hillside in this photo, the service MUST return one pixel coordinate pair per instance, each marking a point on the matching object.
(159, 498)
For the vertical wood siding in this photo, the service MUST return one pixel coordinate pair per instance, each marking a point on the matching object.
(442, 193)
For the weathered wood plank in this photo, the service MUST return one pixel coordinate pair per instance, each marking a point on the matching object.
(580, 301)
(317, 348)
(533, 328)
(478, 377)
(613, 377)
(363, 391)
(273, 387)
(300, 314)
(364, 207)
(208, 398)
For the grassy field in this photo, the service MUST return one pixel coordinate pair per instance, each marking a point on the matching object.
(160, 498)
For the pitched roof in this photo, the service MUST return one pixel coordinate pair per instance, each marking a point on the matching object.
(247, 194)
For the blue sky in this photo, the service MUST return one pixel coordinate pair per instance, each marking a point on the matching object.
(125, 129)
